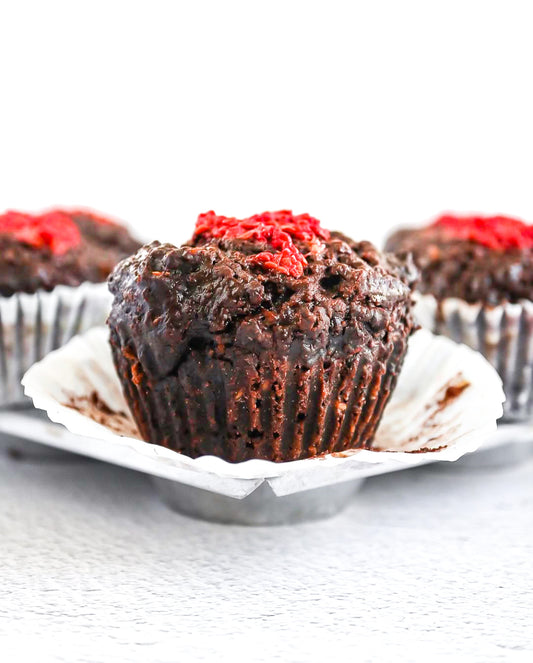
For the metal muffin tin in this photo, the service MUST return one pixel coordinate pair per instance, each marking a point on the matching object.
(259, 505)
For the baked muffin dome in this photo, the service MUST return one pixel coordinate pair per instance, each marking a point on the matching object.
(267, 337)
(474, 258)
(41, 251)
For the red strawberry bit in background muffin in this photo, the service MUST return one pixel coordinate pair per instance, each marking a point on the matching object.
(496, 232)
(52, 230)
(277, 229)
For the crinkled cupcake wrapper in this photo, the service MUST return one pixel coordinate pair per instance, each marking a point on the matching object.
(503, 334)
(32, 325)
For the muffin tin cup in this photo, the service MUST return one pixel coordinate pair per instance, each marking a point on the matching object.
(503, 334)
(262, 507)
(446, 403)
(32, 325)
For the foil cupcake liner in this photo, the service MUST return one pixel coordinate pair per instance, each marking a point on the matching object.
(32, 325)
(503, 334)
(280, 408)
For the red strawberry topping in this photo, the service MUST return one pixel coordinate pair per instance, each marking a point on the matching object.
(277, 229)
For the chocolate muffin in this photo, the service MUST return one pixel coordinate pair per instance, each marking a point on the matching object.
(53, 268)
(39, 252)
(477, 287)
(267, 337)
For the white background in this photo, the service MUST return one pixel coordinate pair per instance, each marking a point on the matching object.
(364, 114)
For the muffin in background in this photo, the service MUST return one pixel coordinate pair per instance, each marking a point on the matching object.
(41, 251)
(476, 287)
(266, 337)
(52, 272)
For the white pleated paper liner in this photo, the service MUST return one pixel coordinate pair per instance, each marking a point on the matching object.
(32, 325)
(447, 400)
(503, 334)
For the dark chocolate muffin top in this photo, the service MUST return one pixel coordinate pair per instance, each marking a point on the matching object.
(478, 259)
(59, 248)
(256, 285)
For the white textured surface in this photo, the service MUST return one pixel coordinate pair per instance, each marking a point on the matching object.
(429, 561)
